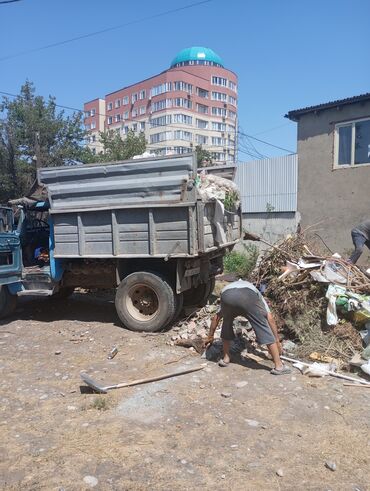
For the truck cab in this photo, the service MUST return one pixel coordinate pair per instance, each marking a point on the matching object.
(27, 265)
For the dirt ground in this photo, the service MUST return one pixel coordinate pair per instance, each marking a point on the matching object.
(232, 428)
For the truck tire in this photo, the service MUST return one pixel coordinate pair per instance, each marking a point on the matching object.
(8, 302)
(179, 302)
(198, 297)
(145, 302)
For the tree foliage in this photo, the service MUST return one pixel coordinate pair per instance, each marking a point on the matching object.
(204, 157)
(34, 134)
(116, 148)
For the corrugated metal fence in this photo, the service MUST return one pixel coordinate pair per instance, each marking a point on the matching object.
(268, 185)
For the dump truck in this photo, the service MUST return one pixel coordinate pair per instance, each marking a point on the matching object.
(139, 226)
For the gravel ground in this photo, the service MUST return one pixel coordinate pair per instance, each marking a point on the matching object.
(238, 428)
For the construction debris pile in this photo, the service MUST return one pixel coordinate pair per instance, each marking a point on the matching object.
(322, 301)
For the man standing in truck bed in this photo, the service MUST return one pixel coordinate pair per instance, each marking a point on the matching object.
(360, 237)
(242, 298)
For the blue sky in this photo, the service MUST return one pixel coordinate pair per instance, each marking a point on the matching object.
(287, 53)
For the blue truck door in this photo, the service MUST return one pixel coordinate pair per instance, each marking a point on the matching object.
(10, 248)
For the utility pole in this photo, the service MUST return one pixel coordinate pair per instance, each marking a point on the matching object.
(37, 156)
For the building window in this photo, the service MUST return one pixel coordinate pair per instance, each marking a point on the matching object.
(201, 139)
(125, 115)
(218, 142)
(352, 143)
(181, 150)
(161, 121)
(110, 120)
(142, 126)
(134, 97)
(93, 138)
(117, 103)
(232, 114)
(231, 128)
(201, 123)
(93, 125)
(182, 118)
(134, 113)
(92, 112)
(181, 102)
(125, 100)
(161, 137)
(232, 100)
(142, 109)
(126, 130)
(183, 86)
(219, 111)
(219, 96)
(183, 135)
(220, 156)
(142, 94)
(232, 86)
(218, 126)
(160, 105)
(87, 114)
(202, 93)
(160, 89)
(109, 106)
(219, 81)
(202, 109)
(117, 118)
(87, 127)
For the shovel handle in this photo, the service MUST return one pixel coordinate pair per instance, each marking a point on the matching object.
(154, 379)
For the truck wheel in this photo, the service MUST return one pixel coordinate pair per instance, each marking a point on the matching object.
(198, 297)
(179, 302)
(8, 302)
(145, 302)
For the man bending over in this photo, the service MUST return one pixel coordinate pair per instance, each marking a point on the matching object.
(241, 298)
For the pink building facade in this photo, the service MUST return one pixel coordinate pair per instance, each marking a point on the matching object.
(192, 103)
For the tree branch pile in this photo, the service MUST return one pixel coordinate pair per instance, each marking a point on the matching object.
(299, 302)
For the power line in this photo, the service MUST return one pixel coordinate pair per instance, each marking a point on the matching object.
(240, 133)
(130, 120)
(271, 129)
(103, 31)
(9, 1)
(265, 142)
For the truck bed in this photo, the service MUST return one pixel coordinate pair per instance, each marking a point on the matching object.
(147, 208)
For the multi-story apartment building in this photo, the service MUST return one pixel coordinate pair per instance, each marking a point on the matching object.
(192, 103)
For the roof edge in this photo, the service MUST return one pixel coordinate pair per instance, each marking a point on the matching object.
(295, 114)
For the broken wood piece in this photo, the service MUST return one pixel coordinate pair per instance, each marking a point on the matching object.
(356, 385)
(196, 343)
(253, 357)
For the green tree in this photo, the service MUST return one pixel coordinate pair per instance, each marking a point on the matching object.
(34, 134)
(116, 148)
(204, 158)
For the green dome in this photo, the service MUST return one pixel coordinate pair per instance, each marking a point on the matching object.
(197, 55)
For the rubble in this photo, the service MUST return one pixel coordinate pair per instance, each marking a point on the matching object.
(320, 301)
(321, 304)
